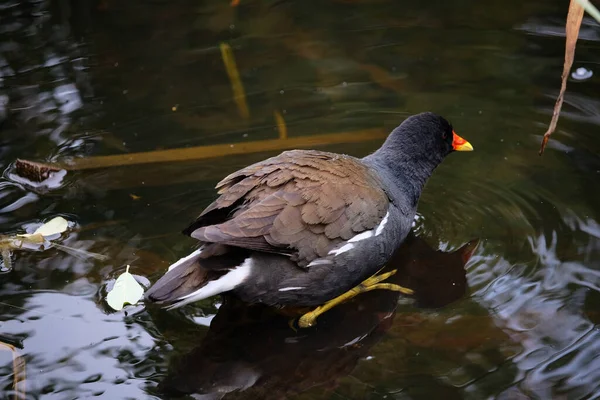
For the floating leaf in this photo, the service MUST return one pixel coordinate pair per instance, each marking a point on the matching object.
(53, 227)
(34, 171)
(126, 290)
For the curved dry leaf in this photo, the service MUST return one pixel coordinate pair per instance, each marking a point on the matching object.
(28, 238)
(574, 18)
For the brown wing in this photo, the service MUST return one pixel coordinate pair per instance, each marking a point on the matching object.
(301, 203)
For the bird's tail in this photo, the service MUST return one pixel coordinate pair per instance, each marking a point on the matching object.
(194, 278)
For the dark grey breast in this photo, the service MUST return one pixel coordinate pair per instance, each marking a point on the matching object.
(300, 203)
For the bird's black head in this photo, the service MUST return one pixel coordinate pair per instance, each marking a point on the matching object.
(428, 135)
(419, 145)
(423, 138)
(413, 151)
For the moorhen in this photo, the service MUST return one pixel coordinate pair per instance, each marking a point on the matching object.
(304, 228)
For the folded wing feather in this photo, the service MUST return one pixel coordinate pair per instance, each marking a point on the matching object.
(301, 203)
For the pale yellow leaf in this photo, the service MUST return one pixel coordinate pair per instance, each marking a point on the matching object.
(53, 227)
(125, 291)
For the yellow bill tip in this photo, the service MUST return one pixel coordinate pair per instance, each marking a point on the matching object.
(460, 144)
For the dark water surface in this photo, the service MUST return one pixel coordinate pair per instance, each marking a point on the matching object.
(88, 78)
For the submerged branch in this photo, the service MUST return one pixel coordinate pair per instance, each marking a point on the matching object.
(79, 253)
(222, 150)
(18, 371)
(239, 95)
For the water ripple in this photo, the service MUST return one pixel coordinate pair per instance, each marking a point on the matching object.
(539, 306)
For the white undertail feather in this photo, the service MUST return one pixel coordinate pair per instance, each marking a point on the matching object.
(184, 259)
(225, 283)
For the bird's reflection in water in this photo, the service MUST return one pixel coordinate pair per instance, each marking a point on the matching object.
(251, 351)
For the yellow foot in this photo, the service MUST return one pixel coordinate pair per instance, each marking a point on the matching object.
(310, 318)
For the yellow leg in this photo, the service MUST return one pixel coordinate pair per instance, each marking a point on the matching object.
(309, 319)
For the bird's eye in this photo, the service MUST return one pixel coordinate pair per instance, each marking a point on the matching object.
(444, 136)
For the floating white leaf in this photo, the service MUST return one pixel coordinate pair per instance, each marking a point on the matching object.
(53, 227)
(125, 290)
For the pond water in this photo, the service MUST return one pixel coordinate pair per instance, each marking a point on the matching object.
(514, 317)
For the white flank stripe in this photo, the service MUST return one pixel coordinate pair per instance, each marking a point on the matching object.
(382, 224)
(354, 341)
(227, 282)
(361, 236)
(343, 249)
(184, 259)
(320, 261)
(285, 289)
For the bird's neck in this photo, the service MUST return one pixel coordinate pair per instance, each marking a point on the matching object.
(404, 174)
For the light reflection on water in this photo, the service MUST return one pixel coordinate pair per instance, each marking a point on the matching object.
(542, 312)
(78, 78)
